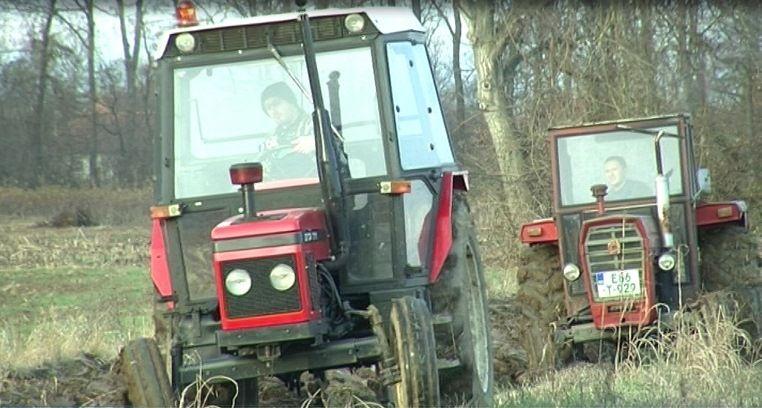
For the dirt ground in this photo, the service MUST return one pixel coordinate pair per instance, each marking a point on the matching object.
(90, 381)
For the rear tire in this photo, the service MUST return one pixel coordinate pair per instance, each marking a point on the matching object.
(541, 298)
(143, 370)
(729, 262)
(460, 292)
(414, 347)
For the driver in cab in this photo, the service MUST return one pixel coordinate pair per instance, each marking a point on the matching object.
(620, 187)
(293, 126)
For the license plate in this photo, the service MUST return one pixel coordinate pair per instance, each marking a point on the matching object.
(618, 284)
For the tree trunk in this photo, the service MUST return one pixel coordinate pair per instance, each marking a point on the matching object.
(93, 151)
(416, 6)
(131, 57)
(457, 72)
(496, 68)
(37, 168)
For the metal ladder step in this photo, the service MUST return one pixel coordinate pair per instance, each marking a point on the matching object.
(439, 319)
(447, 363)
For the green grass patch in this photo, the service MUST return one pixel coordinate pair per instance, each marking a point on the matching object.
(49, 314)
(30, 293)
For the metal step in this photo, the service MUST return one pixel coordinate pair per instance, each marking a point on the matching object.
(447, 363)
(439, 319)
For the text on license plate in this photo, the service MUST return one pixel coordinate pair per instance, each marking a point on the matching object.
(624, 283)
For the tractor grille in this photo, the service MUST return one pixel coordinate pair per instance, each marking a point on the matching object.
(601, 256)
(255, 36)
(262, 299)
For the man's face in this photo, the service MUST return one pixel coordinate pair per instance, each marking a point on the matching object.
(280, 111)
(614, 173)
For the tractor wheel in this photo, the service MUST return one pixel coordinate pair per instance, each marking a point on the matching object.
(729, 259)
(414, 347)
(729, 262)
(460, 292)
(541, 298)
(144, 373)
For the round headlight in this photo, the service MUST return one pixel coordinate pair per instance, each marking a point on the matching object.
(354, 23)
(667, 261)
(571, 272)
(185, 42)
(238, 282)
(282, 277)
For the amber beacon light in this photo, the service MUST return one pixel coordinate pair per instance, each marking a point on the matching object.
(186, 14)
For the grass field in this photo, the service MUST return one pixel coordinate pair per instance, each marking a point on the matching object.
(71, 297)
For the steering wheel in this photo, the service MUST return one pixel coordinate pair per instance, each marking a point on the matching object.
(283, 162)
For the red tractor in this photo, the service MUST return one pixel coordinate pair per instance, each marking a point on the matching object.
(286, 242)
(633, 234)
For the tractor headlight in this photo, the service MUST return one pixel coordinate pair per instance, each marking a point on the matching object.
(238, 282)
(571, 272)
(185, 42)
(282, 277)
(667, 261)
(354, 23)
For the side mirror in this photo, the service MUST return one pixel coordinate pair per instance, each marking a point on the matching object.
(704, 181)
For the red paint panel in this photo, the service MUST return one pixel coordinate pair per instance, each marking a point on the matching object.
(159, 265)
(271, 222)
(442, 227)
(539, 232)
(306, 313)
(631, 312)
(721, 214)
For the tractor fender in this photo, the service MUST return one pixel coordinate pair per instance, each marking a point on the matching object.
(159, 264)
(451, 180)
(729, 213)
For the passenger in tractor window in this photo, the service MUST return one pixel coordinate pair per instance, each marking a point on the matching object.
(619, 186)
(293, 126)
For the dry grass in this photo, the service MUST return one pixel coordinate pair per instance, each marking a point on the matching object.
(704, 359)
(107, 206)
(58, 334)
(23, 245)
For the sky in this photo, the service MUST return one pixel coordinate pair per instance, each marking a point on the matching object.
(17, 25)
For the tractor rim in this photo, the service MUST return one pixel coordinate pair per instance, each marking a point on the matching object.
(478, 326)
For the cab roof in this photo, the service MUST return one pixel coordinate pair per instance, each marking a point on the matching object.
(621, 121)
(387, 20)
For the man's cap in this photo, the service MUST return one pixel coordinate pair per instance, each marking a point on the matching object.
(278, 90)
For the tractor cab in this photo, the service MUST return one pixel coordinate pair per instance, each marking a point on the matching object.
(307, 198)
(626, 220)
(241, 93)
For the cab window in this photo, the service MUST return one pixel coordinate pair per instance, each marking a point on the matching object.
(420, 127)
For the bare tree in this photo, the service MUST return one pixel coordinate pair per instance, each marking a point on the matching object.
(37, 165)
(455, 30)
(88, 7)
(127, 138)
(495, 34)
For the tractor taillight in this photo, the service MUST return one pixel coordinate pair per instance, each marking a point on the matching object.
(185, 13)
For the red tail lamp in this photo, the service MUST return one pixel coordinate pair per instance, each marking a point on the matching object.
(185, 13)
(245, 175)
